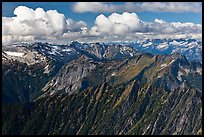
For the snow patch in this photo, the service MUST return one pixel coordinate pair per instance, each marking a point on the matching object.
(199, 70)
(187, 70)
(147, 44)
(163, 65)
(176, 43)
(125, 48)
(104, 55)
(171, 62)
(159, 76)
(162, 46)
(179, 76)
(113, 74)
(18, 54)
(121, 51)
(55, 47)
(67, 50)
(46, 69)
(51, 52)
(192, 44)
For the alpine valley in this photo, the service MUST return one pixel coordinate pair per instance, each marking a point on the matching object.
(126, 88)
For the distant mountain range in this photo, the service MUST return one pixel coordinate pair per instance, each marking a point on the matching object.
(149, 87)
(191, 48)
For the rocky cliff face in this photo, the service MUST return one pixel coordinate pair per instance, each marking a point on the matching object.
(103, 51)
(93, 93)
(69, 78)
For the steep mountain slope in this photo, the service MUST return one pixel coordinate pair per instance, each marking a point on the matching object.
(162, 70)
(24, 72)
(106, 110)
(98, 92)
(27, 67)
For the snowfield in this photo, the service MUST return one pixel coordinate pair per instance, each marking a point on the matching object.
(19, 54)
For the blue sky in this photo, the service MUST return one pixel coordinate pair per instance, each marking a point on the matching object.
(89, 17)
(99, 21)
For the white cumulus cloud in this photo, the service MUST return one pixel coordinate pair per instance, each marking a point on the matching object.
(75, 26)
(172, 6)
(30, 25)
(81, 7)
(162, 27)
(121, 24)
(117, 24)
(34, 22)
(50, 26)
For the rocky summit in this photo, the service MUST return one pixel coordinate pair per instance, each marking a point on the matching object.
(99, 89)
